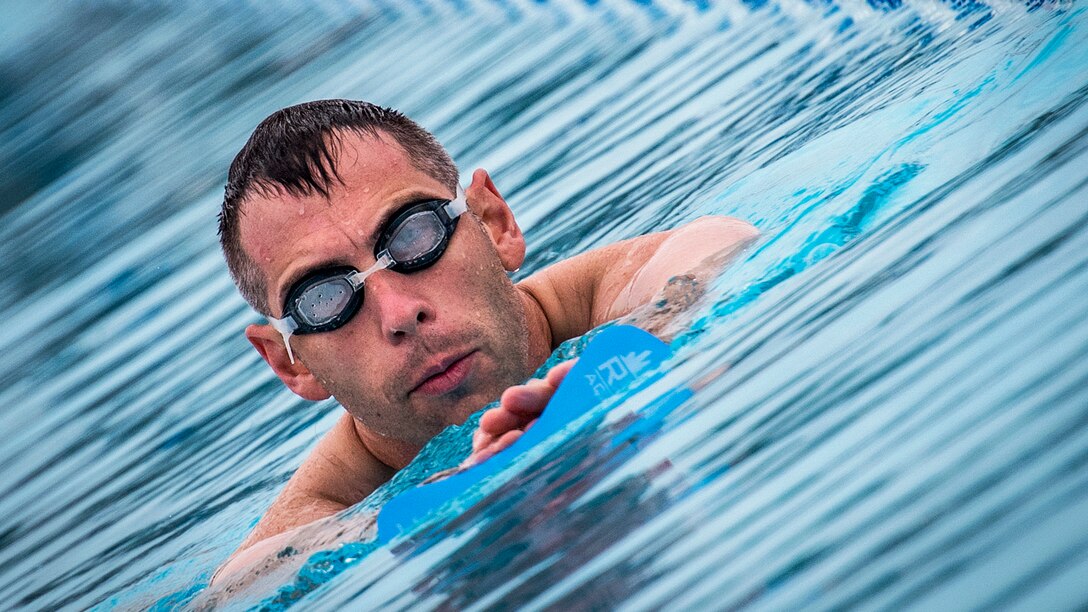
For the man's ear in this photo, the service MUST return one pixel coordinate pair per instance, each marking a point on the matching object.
(497, 218)
(297, 377)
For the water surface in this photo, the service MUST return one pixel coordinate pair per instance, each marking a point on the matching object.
(894, 402)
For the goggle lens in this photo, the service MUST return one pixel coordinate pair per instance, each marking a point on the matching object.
(418, 235)
(322, 302)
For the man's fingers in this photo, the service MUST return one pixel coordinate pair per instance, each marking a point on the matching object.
(477, 457)
(518, 409)
(505, 441)
(498, 421)
(494, 445)
(481, 439)
(528, 399)
(559, 372)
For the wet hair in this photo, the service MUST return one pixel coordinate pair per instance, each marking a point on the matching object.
(293, 152)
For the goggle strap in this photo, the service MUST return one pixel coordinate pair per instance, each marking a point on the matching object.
(287, 343)
(384, 261)
(285, 326)
(456, 207)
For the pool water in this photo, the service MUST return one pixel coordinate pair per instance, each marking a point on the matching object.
(890, 404)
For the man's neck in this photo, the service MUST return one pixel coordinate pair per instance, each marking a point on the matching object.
(394, 453)
(540, 331)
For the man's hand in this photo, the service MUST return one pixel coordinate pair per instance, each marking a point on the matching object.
(519, 407)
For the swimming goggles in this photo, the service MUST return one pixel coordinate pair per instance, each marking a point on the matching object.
(413, 239)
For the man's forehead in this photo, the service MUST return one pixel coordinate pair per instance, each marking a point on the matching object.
(376, 157)
(370, 170)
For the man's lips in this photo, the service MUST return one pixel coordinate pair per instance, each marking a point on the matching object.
(445, 375)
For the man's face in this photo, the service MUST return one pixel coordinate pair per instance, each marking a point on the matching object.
(426, 348)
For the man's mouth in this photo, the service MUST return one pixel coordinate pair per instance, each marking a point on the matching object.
(446, 375)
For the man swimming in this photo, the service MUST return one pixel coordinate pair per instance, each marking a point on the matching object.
(385, 286)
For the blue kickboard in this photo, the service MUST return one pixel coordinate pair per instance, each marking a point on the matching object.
(612, 360)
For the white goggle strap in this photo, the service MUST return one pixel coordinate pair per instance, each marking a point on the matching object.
(457, 206)
(285, 326)
(384, 261)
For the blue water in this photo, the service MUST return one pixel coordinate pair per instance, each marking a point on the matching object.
(891, 387)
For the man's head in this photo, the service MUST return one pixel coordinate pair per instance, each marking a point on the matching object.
(310, 192)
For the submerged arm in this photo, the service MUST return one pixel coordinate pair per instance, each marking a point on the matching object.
(339, 473)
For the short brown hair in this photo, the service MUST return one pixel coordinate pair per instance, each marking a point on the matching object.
(292, 151)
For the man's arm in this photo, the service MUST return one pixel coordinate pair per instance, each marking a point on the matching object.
(338, 473)
(647, 281)
(605, 284)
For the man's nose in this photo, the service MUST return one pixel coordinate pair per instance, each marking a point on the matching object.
(400, 311)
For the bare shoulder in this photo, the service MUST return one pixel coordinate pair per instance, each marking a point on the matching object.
(610, 282)
(567, 291)
(339, 473)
